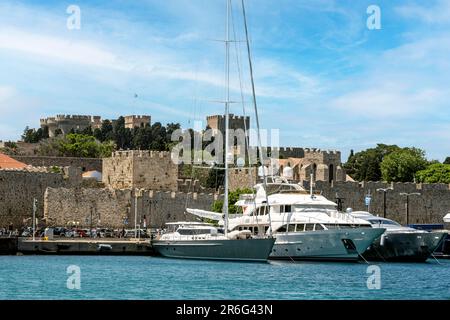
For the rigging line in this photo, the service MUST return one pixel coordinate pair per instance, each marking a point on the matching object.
(193, 112)
(256, 112)
(367, 262)
(247, 142)
(227, 82)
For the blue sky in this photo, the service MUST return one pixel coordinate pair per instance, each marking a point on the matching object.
(322, 77)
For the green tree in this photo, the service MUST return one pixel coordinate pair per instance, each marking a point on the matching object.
(402, 165)
(11, 145)
(80, 145)
(122, 136)
(233, 197)
(447, 160)
(158, 136)
(216, 178)
(106, 131)
(434, 173)
(365, 165)
(31, 135)
(76, 145)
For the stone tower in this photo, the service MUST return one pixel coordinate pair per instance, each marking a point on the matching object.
(217, 122)
(140, 169)
(134, 121)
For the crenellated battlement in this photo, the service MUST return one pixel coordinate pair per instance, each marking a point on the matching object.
(322, 152)
(137, 117)
(132, 121)
(122, 154)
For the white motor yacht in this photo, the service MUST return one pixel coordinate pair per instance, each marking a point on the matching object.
(306, 226)
(400, 243)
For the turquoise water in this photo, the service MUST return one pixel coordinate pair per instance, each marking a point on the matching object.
(106, 277)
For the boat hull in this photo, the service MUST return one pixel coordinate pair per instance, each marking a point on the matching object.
(404, 247)
(233, 250)
(324, 245)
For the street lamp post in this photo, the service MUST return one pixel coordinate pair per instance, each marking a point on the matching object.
(384, 190)
(135, 213)
(407, 202)
(34, 217)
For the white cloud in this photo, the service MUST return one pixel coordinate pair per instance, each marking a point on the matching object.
(6, 93)
(52, 47)
(435, 14)
(388, 101)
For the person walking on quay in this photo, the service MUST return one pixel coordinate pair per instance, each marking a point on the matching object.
(10, 229)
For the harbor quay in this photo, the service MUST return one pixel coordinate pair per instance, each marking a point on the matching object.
(85, 246)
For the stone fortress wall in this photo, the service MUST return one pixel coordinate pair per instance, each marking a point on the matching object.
(19, 187)
(164, 194)
(66, 123)
(430, 206)
(115, 208)
(140, 169)
(86, 164)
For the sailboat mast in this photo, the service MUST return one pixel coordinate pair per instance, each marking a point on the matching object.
(261, 153)
(227, 112)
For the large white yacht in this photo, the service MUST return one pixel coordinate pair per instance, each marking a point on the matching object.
(306, 226)
(400, 243)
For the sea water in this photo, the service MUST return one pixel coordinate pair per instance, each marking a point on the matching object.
(131, 277)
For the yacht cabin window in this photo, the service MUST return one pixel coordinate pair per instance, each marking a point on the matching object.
(319, 227)
(300, 227)
(285, 208)
(186, 232)
(309, 227)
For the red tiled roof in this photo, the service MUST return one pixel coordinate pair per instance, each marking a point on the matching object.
(10, 163)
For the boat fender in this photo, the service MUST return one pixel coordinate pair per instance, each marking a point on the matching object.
(382, 240)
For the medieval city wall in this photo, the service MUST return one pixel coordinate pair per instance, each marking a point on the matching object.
(18, 188)
(140, 169)
(430, 206)
(86, 164)
(115, 208)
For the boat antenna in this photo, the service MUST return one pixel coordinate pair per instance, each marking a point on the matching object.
(261, 153)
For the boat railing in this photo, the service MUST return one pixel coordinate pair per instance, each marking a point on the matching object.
(247, 196)
(342, 216)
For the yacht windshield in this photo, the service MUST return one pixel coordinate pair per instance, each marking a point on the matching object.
(384, 222)
(186, 232)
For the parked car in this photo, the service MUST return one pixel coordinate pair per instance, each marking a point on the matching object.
(105, 233)
(76, 233)
(59, 231)
(141, 233)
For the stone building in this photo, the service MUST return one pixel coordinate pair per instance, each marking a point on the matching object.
(323, 165)
(134, 121)
(65, 123)
(140, 169)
